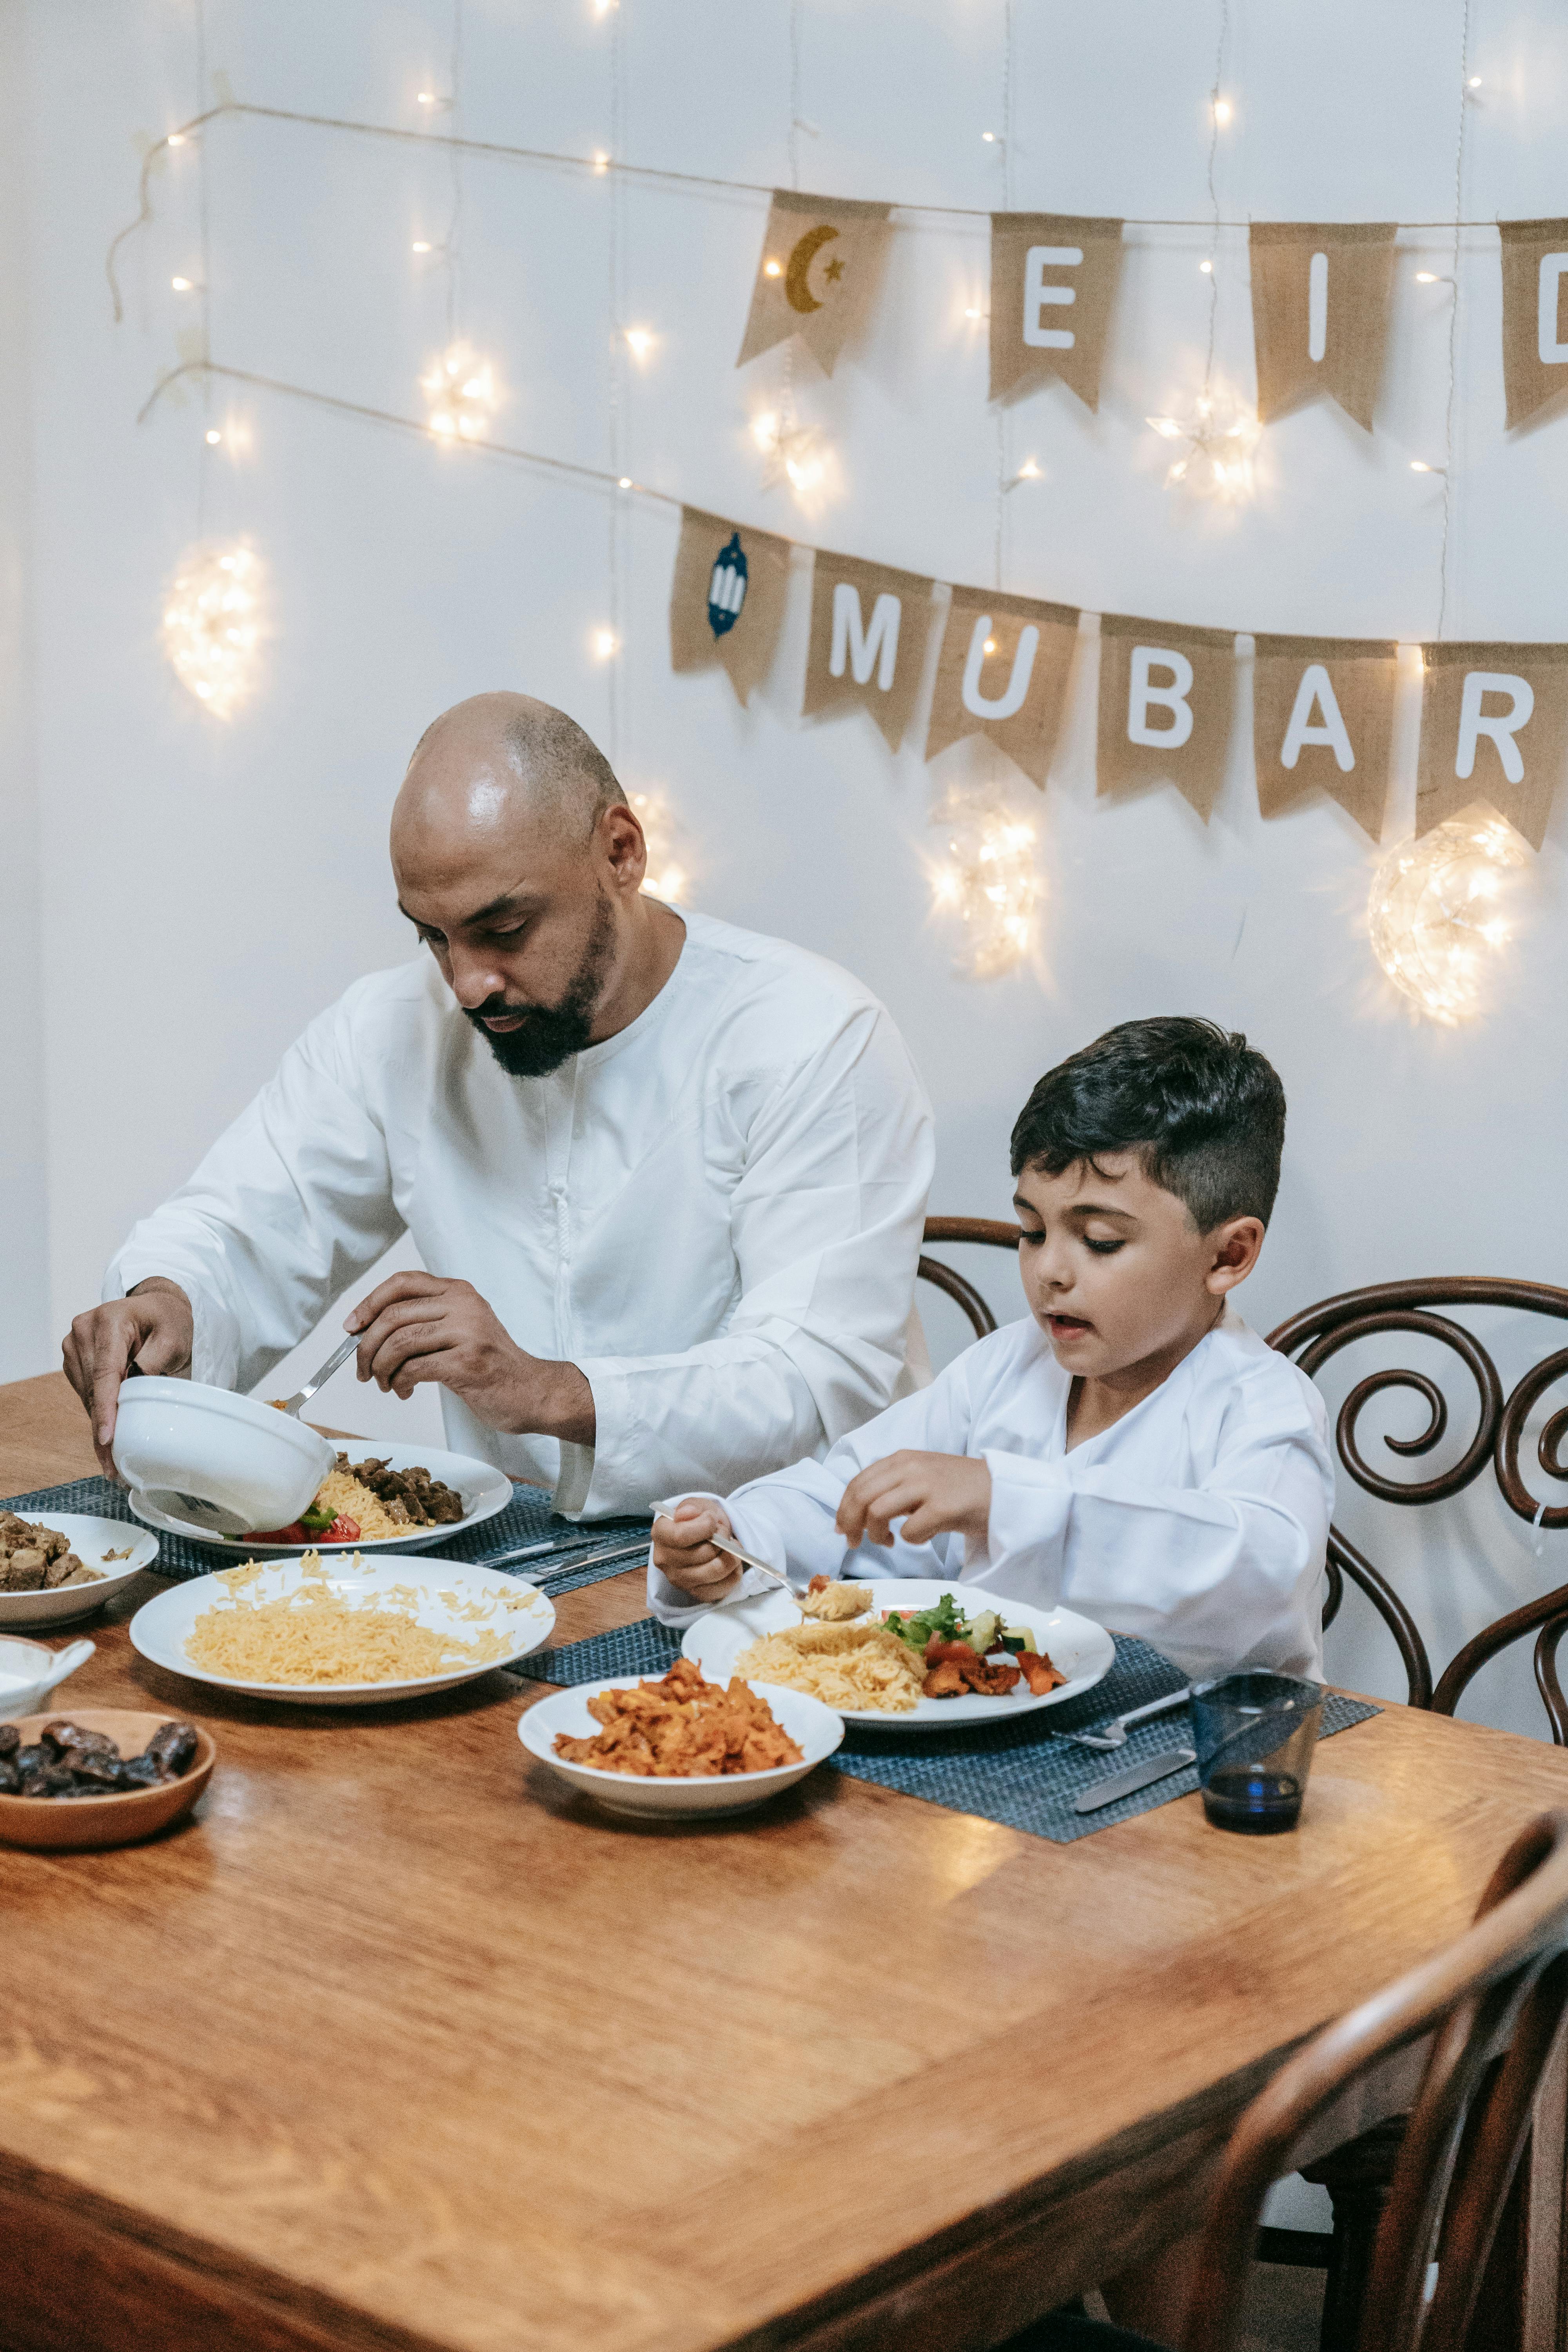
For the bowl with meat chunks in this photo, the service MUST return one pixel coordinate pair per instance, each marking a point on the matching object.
(398, 1498)
(58, 1566)
(100, 1777)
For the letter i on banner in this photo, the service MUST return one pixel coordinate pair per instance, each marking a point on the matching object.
(1002, 672)
(1322, 715)
(867, 640)
(1320, 296)
(1165, 696)
(1494, 728)
(1053, 281)
(1534, 315)
(727, 599)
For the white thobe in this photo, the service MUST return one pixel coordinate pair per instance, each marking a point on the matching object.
(715, 1214)
(1199, 1520)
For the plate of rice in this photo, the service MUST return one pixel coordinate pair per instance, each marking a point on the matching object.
(869, 1674)
(401, 1517)
(335, 1632)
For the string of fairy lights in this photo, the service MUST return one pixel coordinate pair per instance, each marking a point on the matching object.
(1437, 911)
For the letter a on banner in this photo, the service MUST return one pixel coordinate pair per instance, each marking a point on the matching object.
(1002, 672)
(1322, 715)
(1165, 707)
(727, 599)
(1320, 312)
(1534, 314)
(1053, 280)
(1494, 728)
(867, 640)
(820, 260)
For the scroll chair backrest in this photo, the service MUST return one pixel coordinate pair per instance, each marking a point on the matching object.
(1320, 1332)
(1504, 1982)
(988, 1229)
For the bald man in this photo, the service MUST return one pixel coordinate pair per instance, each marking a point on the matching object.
(668, 1176)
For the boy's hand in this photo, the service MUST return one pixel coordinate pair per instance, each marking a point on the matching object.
(682, 1551)
(934, 1494)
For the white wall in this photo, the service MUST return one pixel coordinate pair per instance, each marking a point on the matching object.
(203, 889)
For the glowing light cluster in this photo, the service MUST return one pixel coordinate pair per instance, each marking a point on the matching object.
(460, 395)
(795, 453)
(212, 625)
(987, 881)
(1437, 912)
(1218, 444)
(666, 877)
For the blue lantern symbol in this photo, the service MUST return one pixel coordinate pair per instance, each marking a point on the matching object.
(727, 588)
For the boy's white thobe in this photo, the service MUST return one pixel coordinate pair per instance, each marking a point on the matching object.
(715, 1214)
(1199, 1520)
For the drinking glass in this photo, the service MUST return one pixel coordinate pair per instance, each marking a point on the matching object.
(1255, 1732)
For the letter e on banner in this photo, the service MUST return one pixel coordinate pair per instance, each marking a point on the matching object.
(1038, 293)
(1500, 726)
(1143, 695)
(877, 646)
(1316, 692)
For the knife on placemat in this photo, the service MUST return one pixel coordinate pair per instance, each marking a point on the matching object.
(1136, 1776)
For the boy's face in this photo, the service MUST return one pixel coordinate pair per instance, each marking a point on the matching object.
(1114, 1268)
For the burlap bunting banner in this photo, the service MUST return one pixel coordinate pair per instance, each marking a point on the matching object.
(1534, 315)
(1053, 280)
(820, 259)
(1322, 714)
(1002, 672)
(1320, 312)
(1494, 728)
(1165, 707)
(727, 599)
(867, 640)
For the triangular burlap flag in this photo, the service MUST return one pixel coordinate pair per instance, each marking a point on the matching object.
(1320, 312)
(1165, 707)
(820, 259)
(867, 640)
(1053, 281)
(1002, 672)
(1322, 714)
(1534, 314)
(727, 599)
(1494, 728)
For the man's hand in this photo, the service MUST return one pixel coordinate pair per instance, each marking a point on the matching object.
(153, 1327)
(683, 1549)
(422, 1327)
(934, 1494)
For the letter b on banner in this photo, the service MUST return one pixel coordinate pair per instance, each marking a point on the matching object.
(1143, 696)
(864, 648)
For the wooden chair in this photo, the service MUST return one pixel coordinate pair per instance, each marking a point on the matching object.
(990, 1231)
(1494, 2005)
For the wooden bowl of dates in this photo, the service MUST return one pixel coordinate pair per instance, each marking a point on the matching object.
(98, 1777)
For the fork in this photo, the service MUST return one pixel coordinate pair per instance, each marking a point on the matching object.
(318, 1380)
(1115, 1732)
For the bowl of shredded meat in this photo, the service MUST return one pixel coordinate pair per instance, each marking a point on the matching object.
(680, 1745)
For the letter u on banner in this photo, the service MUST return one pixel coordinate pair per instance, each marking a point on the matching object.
(1002, 672)
(1010, 701)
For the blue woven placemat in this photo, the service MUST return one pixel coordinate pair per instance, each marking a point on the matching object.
(574, 1556)
(1018, 1774)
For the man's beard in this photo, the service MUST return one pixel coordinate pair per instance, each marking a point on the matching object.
(549, 1034)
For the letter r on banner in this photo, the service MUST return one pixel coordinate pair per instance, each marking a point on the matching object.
(1553, 352)
(1501, 726)
(1143, 696)
(864, 648)
(1010, 701)
(1038, 294)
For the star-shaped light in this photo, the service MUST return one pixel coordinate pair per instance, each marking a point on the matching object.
(791, 453)
(1217, 446)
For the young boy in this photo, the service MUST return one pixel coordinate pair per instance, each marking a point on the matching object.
(1130, 1449)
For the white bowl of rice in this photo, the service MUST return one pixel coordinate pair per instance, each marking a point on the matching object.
(234, 1453)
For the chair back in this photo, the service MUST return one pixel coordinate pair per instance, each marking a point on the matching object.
(1320, 1332)
(990, 1231)
(1502, 1987)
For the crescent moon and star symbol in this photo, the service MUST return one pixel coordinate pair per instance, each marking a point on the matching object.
(797, 286)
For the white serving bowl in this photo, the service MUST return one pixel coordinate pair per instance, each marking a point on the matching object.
(181, 1437)
(29, 1670)
(89, 1538)
(816, 1729)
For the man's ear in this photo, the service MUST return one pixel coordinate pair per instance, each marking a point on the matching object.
(623, 846)
(1233, 1248)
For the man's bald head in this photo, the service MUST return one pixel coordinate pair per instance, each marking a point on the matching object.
(499, 758)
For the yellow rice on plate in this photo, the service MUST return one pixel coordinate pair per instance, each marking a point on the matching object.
(343, 1496)
(313, 1634)
(858, 1667)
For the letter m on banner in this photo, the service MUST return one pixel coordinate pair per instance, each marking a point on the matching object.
(869, 628)
(865, 648)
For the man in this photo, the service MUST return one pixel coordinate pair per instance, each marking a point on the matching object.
(669, 1176)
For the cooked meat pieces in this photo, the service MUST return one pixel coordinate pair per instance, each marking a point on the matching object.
(35, 1560)
(10, 1739)
(412, 1497)
(68, 1760)
(1038, 1673)
(954, 1668)
(681, 1726)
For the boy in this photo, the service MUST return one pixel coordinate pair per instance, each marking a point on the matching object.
(1130, 1449)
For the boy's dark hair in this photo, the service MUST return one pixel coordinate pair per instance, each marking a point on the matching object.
(1205, 1112)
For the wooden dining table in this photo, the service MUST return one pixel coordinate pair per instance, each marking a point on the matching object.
(393, 2042)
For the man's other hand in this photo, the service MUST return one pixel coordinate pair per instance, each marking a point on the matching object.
(683, 1550)
(934, 1494)
(153, 1327)
(426, 1326)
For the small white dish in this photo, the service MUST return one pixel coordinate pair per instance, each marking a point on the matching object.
(1076, 1646)
(815, 1728)
(485, 1491)
(29, 1670)
(159, 1630)
(235, 1454)
(89, 1538)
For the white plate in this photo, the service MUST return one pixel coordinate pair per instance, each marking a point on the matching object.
(159, 1630)
(816, 1729)
(485, 1491)
(89, 1540)
(1079, 1648)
